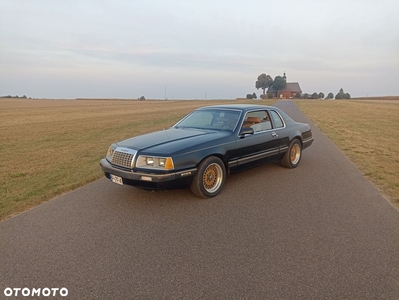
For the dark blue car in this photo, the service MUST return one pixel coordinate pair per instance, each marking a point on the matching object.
(205, 146)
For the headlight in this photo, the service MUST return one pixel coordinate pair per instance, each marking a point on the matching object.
(155, 162)
(110, 152)
(162, 162)
(149, 161)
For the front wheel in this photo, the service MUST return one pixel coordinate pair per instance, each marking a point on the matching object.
(293, 156)
(209, 179)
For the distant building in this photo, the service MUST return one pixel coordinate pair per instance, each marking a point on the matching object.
(288, 92)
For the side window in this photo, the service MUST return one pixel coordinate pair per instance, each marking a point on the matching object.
(259, 120)
(277, 120)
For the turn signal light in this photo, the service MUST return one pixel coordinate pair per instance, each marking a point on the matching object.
(169, 164)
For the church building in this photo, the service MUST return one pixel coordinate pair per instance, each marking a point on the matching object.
(288, 92)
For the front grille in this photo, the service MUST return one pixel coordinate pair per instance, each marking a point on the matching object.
(123, 159)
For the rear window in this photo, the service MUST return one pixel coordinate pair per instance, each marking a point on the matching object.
(278, 122)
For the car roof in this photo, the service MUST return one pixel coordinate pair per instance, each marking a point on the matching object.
(243, 107)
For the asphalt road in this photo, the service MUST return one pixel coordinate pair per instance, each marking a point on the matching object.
(320, 231)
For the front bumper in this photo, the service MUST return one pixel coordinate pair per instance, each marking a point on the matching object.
(148, 180)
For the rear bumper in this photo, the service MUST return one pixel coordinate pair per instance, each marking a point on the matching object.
(307, 142)
(149, 180)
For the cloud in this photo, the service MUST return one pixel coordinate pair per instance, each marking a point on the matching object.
(222, 46)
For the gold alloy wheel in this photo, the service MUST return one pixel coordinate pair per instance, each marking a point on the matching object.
(295, 154)
(213, 178)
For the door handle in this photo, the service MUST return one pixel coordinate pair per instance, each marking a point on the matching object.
(274, 134)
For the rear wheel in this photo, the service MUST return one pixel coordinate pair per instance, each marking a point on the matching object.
(293, 156)
(210, 177)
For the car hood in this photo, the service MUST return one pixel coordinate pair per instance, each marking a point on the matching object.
(173, 140)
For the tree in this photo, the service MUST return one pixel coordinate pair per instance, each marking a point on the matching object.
(270, 95)
(315, 95)
(263, 82)
(142, 98)
(278, 84)
(249, 96)
(330, 96)
(254, 96)
(305, 96)
(297, 95)
(321, 95)
(342, 95)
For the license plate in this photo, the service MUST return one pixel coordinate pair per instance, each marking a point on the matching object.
(116, 179)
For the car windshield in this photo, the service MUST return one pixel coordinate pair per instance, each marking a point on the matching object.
(219, 119)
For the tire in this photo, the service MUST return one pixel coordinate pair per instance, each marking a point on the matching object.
(210, 178)
(293, 156)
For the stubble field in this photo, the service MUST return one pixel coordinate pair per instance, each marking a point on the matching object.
(367, 132)
(49, 147)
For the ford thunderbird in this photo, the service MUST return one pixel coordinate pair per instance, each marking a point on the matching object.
(206, 145)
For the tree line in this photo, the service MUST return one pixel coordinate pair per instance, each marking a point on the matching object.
(340, 95)
(16, 96)
(279, 83)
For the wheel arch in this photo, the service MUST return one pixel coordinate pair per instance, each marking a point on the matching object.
(221, 157)
(297, 137)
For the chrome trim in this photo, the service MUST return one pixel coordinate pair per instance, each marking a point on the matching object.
(123, 157)
(282, 119)
(268, 130)
(107, 167)
(285, 148)
(307, 142)
(310, 139)
(154, 167)
(232, 163)
(248, 159)
(185, 174)
(268, 112)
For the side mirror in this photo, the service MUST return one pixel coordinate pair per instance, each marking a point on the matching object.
(246, 130)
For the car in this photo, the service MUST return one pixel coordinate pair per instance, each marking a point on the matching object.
(205, 146)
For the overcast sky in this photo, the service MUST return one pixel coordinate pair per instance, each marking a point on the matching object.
(212, 49)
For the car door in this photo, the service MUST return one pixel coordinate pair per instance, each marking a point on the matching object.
(280, 131)
(264, 143)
